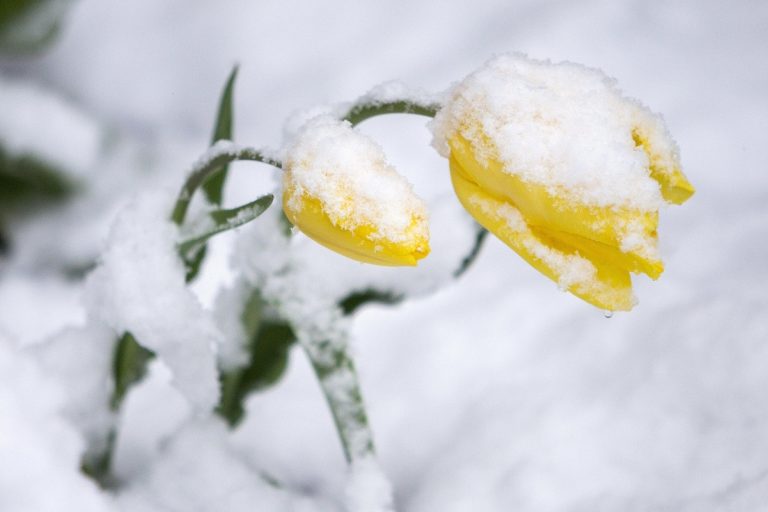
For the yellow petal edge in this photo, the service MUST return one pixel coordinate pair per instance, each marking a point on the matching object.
(606, 286)
(358, 244)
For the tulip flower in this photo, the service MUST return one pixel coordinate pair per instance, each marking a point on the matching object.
(340, 191)
(555, 162)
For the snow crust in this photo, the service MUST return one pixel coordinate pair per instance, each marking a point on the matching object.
(139, 288)
(561, 125)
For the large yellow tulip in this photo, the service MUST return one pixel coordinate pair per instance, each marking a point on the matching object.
(528, 144)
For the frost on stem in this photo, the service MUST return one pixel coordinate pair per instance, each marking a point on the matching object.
(338, 378)
(390, 98)
(219, 154)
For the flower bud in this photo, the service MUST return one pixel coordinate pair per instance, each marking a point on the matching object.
(340, 191)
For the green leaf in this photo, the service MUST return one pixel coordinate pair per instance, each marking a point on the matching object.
(223, 130)
(355, 300)
(193, 260)
(271, 341)
(224, 220)
(29, 25)
(26, 182)
(129, 365)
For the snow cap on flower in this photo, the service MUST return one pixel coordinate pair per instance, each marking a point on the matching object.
(565, 170)
(340, 191)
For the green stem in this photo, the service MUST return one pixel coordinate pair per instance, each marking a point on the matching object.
(221, 153)
(336, 372)
(362, 111)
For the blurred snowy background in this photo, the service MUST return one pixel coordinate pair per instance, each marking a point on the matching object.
(496, 393)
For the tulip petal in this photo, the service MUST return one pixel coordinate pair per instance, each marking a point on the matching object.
(356, 244)
(627, 231)
(602, 252)
(675, 187)
(595, 281)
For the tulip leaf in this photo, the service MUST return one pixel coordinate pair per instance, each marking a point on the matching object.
(27, 180)
(192, 249)
(271, 339)
(223, 130)
(355, 300)
(129, 365)
(29, 25)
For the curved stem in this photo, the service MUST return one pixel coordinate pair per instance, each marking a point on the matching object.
(336, 372)
(221, 153)
(366, 110)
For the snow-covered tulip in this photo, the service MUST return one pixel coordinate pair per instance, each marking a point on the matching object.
(340, 191)
(554, 161)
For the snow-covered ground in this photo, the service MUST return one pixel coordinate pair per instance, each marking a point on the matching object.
(496, 393)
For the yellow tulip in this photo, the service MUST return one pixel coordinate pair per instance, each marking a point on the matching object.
(339, 190)
(586, 228)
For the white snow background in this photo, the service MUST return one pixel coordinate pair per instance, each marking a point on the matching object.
(498, 392)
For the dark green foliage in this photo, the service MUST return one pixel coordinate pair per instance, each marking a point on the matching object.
(193, 251)
(99, 466)
(26, 182)
(16, 14)
(129, 365)
(271, 340)
(193, 260)
(223, 130)
(352, 302)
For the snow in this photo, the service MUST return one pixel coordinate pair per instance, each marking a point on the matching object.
(492, 392)
(200, 471)
(39, 123)
(563, 126)
(393, 91)
(39, 449)
(156, 306)
(368, 490)
(228, 313)
(80, 361)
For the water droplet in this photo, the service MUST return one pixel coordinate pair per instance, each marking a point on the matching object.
(607, 314)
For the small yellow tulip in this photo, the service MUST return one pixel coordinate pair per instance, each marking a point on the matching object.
(557, 164)
(339, 190)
